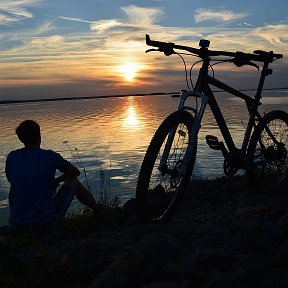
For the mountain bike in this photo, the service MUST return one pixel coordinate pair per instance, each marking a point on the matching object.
(169, 160)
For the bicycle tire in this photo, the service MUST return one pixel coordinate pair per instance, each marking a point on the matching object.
(268, 161)
(157, 192)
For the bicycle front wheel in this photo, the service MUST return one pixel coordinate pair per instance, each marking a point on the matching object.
(267, 151)
(160, 183)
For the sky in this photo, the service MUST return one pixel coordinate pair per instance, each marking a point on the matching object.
(69, 48)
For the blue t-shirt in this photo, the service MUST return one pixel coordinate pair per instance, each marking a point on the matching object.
(31, 173)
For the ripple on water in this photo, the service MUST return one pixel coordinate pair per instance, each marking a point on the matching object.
(112, 135)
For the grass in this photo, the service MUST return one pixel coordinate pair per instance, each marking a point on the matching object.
(105, 191)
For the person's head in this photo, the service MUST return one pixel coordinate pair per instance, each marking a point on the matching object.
(28, 133)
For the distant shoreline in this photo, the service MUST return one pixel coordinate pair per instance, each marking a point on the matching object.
(81, 98)
(18, 101)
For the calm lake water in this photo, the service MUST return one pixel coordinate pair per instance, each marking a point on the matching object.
(111, 135)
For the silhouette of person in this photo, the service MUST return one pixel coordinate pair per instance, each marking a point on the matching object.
(33, 198)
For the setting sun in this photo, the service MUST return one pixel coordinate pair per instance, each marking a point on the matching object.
(129, 71)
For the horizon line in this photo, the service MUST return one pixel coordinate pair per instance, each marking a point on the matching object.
(18, 101)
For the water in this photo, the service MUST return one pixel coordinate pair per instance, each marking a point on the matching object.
(111, 135)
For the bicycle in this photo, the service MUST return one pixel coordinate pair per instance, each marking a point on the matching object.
(169, 160)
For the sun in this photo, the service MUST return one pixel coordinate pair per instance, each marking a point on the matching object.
(129, 71)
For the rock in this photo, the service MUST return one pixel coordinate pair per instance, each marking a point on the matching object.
(267, 277)
(144, 263)
(283, 223)
(260, 209)
(128, 210)
(219, 236)
(254, 199)
(279, 206)
(223, 245)
(164, 285)
(137, 232)
(262, 235)
(281, 255)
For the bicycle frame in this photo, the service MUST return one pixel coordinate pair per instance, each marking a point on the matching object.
(204, 91)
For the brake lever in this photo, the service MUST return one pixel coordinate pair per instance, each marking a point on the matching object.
(242, 60)
(253, 65)
(151, 50)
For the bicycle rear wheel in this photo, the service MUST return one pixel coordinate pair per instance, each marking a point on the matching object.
(267, 151)
(160, 186)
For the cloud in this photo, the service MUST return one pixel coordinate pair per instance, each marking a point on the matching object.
(5, 19)
(105, 25)
(274, 34)
(47, 54)
(142, 16)
(245, 24)
(213, 14)
(44, 27)
(99, 26)
(12, 40)
(136, 17)
(47, 42)
(15, 11)
(74, 19)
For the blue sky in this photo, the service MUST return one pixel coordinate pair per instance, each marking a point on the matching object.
(64, 48)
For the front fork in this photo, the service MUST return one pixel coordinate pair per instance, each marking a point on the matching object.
(194, 133)
(196, 125)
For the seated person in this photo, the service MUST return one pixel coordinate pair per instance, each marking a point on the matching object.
(31, 172)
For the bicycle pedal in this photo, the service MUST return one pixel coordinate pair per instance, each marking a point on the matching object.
(213, 142)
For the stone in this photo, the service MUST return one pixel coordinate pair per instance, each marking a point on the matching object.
(143, 263)
(164, 285)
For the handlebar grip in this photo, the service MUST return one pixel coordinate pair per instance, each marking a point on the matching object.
(268, 55)
(278, 56)
(166, 47)
(158, 44)
(148, 41)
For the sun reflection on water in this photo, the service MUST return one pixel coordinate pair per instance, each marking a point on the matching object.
(131, 119)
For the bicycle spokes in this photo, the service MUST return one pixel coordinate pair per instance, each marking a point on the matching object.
(269, 148)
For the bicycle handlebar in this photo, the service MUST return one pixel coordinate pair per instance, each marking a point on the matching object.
(240, 58)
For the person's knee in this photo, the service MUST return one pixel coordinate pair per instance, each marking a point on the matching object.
(73, 183)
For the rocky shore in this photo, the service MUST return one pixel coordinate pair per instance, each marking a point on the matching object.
(220, 236)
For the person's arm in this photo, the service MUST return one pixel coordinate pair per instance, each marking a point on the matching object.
(69, 173)
(7, 169)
